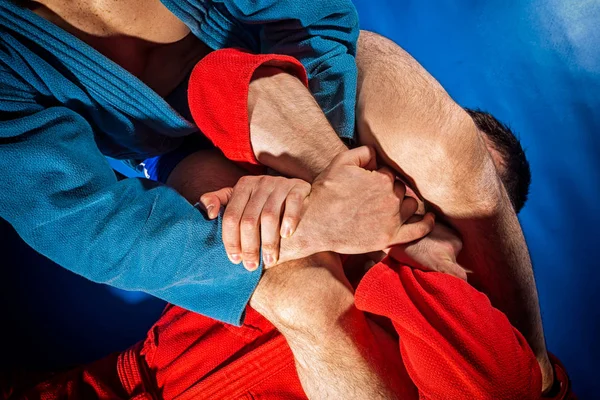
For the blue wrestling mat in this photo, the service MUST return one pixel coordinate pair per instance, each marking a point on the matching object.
(534, 64)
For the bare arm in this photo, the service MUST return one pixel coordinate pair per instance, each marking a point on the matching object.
(337, 354)
(422, 133)
(288, 130)
(202, 172)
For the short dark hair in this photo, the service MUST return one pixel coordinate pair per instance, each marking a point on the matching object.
(517, 175)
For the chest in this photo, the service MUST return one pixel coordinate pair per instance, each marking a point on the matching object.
(142, 36)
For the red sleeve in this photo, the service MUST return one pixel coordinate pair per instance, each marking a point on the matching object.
(218, 97)
(454, 344)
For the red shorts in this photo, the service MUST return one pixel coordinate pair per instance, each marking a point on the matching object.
(188, 356)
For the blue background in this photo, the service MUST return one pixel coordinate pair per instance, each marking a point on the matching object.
(533, 64)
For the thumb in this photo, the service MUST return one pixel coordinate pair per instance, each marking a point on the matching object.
(412, 231)
(363, 157)
(213, 201)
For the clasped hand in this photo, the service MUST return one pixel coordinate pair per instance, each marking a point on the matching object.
(352, 207)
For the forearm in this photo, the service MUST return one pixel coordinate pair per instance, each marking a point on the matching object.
(202, 172)
(345, 362)
(496, 251)
(288, 130)
(337, 354)
(420, 131)
(290, 134)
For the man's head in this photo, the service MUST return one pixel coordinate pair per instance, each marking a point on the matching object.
(508, 156)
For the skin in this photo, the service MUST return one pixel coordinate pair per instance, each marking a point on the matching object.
(454, 172)
(337, 202)
(443, 154)
(420, 132)
(338, 352)
(156, 48)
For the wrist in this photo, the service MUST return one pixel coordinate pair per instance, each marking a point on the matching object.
(320, 319)
(304, 296)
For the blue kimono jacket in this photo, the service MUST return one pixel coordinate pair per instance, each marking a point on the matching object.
(64, 107)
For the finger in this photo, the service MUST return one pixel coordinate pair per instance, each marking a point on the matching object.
(388, 173)
(269, 227)
(208, 203)
(408, 209)
(250, 230)
(415, 230)
(213, 201)
(363, 156)
(398, 253)
(231, 222)
(456, 270)
(293, 209)
(399, 189)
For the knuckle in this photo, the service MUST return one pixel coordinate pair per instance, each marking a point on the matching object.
(422, 229)
(231, 246)
(244, 180)
(230, 221)
(295, 197)
(269, 247)
(457, 246)
(250, 254)
(300, 183)
(394, 201)
(249, 222)
(292, 219)
(269, 217)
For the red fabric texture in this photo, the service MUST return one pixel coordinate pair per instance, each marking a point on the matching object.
(218, 97)
(454, 344)
(188, 356)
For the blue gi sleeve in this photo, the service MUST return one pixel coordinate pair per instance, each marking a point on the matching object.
(321, 34)
(59, 193)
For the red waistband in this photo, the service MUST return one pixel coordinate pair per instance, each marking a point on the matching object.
(131, 372)
(227, 383)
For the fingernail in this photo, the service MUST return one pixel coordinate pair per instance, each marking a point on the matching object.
(250, 265)
(286, 230)
(235, 258)
(269, 259)
(209, 210)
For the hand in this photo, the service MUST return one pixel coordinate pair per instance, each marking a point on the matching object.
(355, 209)
(253, 214)
(437, 251)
